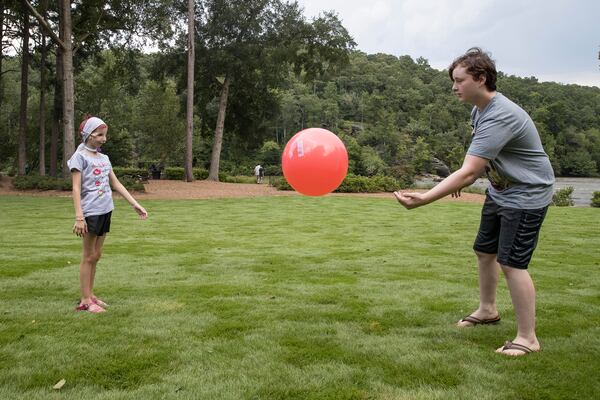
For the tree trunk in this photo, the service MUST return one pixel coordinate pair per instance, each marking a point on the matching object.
(213, 174)
(64, 42)
(1, 41)
(189, 173)
(42, 113)
(22, 155)
(68, 88)
(56, 113)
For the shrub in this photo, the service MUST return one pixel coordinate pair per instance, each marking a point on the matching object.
(33, 182)
(364, 184)
(174, 173)
(200, 173)
(240, 179)
(352, 184)
(562, 197)
(132, 184)
(280, 183)
(133, 173)
(595, 200)
(273, 170)
(36, 182)
(178, 174)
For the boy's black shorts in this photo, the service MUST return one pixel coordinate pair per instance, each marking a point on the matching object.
(511, 233)
(98, 224)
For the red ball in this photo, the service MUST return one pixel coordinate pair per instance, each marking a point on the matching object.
(314, 162)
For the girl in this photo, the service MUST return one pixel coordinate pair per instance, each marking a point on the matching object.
(92, 196)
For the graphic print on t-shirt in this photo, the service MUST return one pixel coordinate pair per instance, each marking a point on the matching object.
(100, 172)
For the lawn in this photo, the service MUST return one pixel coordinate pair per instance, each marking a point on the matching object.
(291, 297)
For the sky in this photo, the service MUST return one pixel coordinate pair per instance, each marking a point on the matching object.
(553, 40)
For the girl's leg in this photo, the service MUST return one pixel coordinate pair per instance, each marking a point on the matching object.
(97, 254)
(85, 268)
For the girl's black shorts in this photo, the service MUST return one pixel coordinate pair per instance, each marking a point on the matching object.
(98, 224)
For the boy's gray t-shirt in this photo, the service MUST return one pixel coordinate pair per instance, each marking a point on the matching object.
(96, 194)
(519, 169)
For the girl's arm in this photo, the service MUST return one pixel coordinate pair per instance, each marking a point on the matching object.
(119, 188)
(80, 227)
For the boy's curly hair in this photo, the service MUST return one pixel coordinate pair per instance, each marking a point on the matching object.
(477, 62)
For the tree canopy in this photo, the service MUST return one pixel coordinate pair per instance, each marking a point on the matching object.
(395, 114)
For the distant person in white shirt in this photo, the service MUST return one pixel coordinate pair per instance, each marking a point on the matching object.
(259, 172)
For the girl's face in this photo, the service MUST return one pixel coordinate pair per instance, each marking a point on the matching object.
(98, 137)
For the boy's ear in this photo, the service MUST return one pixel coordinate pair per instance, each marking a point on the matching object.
(481, 79)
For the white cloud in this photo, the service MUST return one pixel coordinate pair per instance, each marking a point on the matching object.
(550, 39)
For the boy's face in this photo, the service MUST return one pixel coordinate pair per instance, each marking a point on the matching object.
(465, 86)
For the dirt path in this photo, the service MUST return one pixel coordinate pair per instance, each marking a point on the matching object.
(165, 189)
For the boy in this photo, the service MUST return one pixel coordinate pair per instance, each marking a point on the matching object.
(506, 147)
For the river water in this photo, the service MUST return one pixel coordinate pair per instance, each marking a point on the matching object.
(584, 189)
(582, 193)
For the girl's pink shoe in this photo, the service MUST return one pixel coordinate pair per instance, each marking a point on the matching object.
(99, 302)
(93, 308)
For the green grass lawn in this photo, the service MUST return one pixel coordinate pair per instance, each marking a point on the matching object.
(287, 298)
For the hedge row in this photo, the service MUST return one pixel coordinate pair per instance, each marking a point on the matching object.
(37, 182)
(178, 174)
(353, 184)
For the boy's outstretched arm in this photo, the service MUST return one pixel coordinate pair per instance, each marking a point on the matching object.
(472, 168)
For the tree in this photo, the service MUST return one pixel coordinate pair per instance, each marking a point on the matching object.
(22, 154)
(251, 45)
(189, 174)
(1, 51)
(66, 46)
(42, 112)
(156, 118)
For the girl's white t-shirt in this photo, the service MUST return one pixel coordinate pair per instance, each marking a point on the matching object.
(96, 194)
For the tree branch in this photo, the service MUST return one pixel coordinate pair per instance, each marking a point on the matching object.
(8, 70)
(79, 41)
(44, 24)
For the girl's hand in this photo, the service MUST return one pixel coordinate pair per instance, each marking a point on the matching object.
(140, 210)
(456, 194)
(80, 228)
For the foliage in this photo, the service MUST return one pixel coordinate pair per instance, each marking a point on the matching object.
(371, 184)
(562, 197)
(273, 170)
(394, 113)
(30, 182)
(353, 184)
(595, 199)
(239, 179)
(158, 122)
(131, 173)
(270, 153)
(37, 182)
(178, 174)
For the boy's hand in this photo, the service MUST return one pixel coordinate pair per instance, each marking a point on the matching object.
(410, 200)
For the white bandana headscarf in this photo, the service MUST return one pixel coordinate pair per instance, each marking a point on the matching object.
(90, 126)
